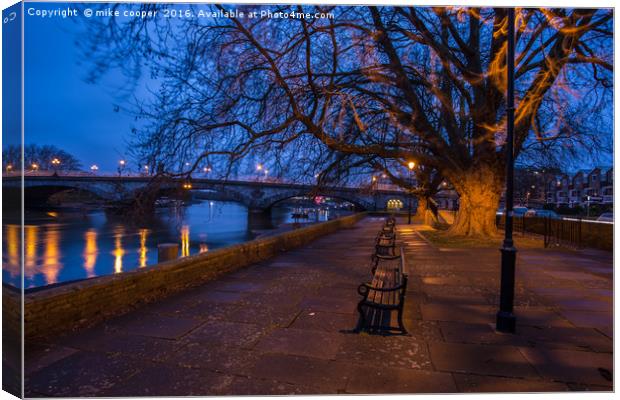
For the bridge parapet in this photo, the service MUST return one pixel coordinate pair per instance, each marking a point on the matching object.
(254, 194)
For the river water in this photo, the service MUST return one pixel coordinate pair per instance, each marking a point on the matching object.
(65, 245)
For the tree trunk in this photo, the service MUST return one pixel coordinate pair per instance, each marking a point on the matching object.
(479, 193)
(424, 214)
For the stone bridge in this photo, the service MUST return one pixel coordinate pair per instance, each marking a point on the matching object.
(256, 195)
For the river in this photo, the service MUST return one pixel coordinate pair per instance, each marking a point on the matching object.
(67, 245)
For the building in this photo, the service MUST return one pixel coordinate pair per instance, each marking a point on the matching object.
(585, 186)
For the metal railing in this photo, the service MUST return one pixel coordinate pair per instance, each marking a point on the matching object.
(573, 233)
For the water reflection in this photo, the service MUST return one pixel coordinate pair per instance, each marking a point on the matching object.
(90, 252)
(143, 249)
(62, 245)
(51, 257)
(119, 252)
(185, 241)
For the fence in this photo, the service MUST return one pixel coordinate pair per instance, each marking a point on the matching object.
(569, 232)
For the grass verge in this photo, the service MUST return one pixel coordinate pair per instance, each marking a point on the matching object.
(442, 239)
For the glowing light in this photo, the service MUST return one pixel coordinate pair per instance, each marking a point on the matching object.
(122, 163)
(411, 165)
(143, 248)
(51, 257)
(394, 204)
(259, 167)
(56, 162)
(90, 252)
(203, 248)
(118, 252)
(35, 166)
(185, 241)
(30, 250)
(94, 168)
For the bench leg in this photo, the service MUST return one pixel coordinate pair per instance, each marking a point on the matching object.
(401, 326)
(361, 323)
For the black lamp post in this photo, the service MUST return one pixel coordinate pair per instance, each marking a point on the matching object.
(506, 321)
(410, 165)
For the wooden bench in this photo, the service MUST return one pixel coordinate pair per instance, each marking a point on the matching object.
(383, 296)
(385, 245)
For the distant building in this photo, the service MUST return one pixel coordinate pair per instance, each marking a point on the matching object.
(585, 186)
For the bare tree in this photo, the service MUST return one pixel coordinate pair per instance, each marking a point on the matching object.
(394, 83)
(41, 156)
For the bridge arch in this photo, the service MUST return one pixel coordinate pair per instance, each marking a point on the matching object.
(271, 201)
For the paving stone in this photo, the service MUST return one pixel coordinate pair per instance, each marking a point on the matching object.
(458, 332)
(488, 384)
(568, 338)
(385, 351)
(585, 304)
(227, 333)
(239, 286)
(324, 321)
(535, 316)
(589, 319)
(330, 304)
(243, 386)
(166, 380)
(216, 296)
(447, 298)
(492, 360)
(571, 366)
(302, 343)
(267, 316)
(458, 312)
(397, 380)
(159, 326)
(40, 356)
(323, 376)
(81, 374)
(214, 357)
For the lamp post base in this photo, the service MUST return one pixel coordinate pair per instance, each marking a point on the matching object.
(506, 322)
(505, 318)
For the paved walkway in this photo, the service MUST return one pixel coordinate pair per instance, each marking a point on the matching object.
(274, 328)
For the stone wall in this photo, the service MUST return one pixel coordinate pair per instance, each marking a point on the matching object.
(11, 341)
(83, 303)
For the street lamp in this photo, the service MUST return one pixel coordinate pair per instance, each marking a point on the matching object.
(506, 321)
(121, 165)
(55, 164)
(94, 168)
(35, 166)
(9, 168)
(411, 166)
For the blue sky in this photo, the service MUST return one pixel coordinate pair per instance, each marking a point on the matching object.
(60, 107)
